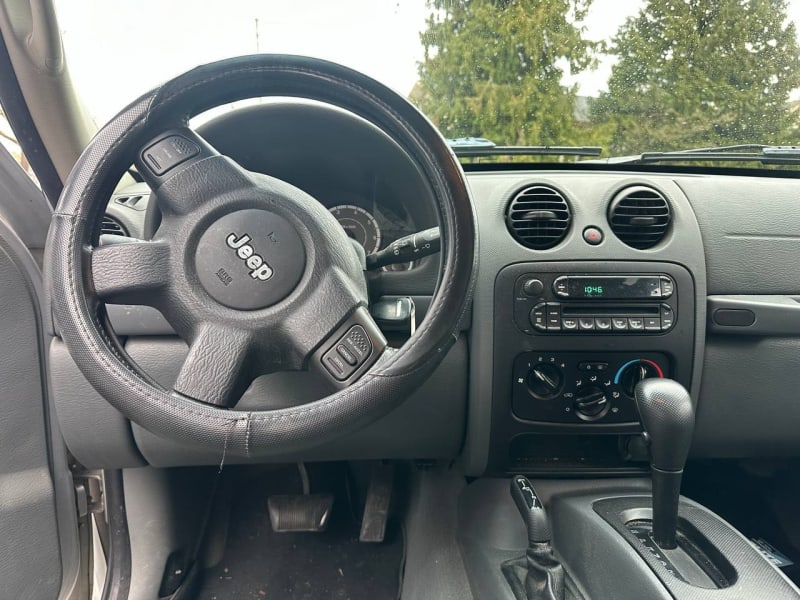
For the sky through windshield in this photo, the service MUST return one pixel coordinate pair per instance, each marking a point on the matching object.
(118, 50)
(158, 39)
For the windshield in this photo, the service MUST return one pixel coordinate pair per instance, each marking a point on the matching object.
(629, 76)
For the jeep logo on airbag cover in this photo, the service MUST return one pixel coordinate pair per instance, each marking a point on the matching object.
(250, 259)
(260, 269)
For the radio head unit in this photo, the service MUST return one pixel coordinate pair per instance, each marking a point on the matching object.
(638, 304)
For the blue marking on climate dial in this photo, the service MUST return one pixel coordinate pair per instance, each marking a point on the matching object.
(622, 368)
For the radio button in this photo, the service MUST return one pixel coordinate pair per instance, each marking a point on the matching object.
(602, 323)
(667, 317)
(553, 316)
(538, 317)
(636, 324)
(652, 324)
(561, 287)
(586, 323)
(619, 323)
(569, 324)
(667, 287)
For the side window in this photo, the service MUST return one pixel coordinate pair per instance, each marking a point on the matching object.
(9, 142)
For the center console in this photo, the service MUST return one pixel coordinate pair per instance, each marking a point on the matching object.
(572, 340)
(591, 363)
(653, 545)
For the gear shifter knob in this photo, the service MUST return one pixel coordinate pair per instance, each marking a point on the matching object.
(667, 415)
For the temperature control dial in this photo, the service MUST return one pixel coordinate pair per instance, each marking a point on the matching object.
(635, 371)
(591, 403)
(545, 381)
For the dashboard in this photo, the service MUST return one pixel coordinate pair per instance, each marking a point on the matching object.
(589, 279)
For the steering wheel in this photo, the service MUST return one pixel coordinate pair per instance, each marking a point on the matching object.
(253, 273)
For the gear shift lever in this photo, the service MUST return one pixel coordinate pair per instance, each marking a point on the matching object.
(545, 576)
(667, 416)
(531, 510)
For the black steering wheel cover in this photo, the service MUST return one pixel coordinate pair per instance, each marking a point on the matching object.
(256, 433)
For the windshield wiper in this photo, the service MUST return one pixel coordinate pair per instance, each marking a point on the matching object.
(478, 147)
(762, 153)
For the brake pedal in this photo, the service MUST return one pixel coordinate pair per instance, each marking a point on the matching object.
(295, 513)
(376, 508)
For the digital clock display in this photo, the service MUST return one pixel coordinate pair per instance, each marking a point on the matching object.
(593, 291)
(612, 286)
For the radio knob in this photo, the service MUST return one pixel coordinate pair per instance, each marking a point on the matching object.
(591, 403)
(545, 381)
(533, 287)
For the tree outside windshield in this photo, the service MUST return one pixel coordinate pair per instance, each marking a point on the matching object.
(643, 75)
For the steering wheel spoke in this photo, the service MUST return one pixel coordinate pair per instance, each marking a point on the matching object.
(185, 171)
(216, 368)
(130, 271)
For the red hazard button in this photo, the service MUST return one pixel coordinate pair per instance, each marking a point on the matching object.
(592, 235)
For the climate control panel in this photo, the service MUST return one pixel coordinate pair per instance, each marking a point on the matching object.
(579, 387)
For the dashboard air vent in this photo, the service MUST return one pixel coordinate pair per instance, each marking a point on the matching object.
(639, 216)
(110, 226)
(538, 217)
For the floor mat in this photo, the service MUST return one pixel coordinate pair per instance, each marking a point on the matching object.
(259, 563)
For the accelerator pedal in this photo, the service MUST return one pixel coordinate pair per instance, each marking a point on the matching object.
(376, 508)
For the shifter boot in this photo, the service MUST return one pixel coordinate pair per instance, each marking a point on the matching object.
(534, 577)
(545, 578)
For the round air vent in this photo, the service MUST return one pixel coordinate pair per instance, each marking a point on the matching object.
(538, 217)
(639, 216)
(110, 226)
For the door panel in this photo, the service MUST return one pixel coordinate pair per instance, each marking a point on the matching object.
(39, 550)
